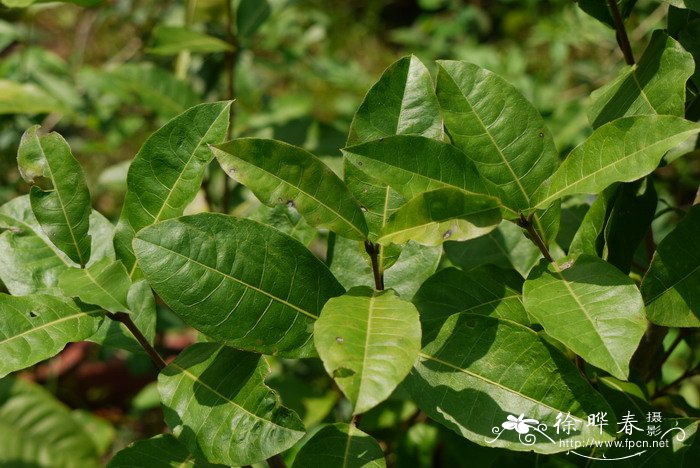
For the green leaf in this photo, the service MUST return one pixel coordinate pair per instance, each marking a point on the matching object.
(64, 210)
(105, 284)
(498, 129)
(279, 173)
(216, 402)
(38, 430)
(689, 37)
(506, 247)
(671, 286)
(447, 213)
(599, 9)
(655, 85)
(167, 172)
(254, 287)
(171, 40)
(687, 4)
(485, 290)
(161, 451)
(413, 164)
(478, 370)
(340, 444)
(624, 150)
(413, 266)
(38, 327)
(100, 430)
(25, 98)
(401, 102)
(286, 219)
(368, 341)
(250, 15)
(29, 262)
(591, 307)
(589, 238)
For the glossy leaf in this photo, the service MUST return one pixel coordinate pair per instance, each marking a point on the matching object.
(340, 445)
(171, 40)
(237, 281)
(591, 307)
(413, 266)
(589, 238)
(401, 102)
(414, 164)
(485, 290)
(621, 151)
(442, 214)
(215, 401)
(505, 370)
(38, 430)
(368, 341)
(37, 327)
(29, 262)
(64, 210)
(286, 219)
(671, 286)
(655, 85)
(105, 284)
(279, 173)
(498, 129)
(25, 98)
(167, 172)
(162, 451)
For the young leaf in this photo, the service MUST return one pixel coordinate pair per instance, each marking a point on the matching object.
(479, 370)
(591, 307)
(237, 281)
(442, 214)
(215, 401)
(38, 430)
(368, 341)
(171, 40)
(498, 129)
(655, 85)
(620, 151)
(671, 286)
(63, 211)
(401, 102)
(105, 284)
(29, 262)
(414, 164)
(163, 450)
(340, 445)
(485, 290)
(38, 327)
(167, 172)
(279, 173)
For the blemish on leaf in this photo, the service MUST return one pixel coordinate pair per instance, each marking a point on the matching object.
(343, 372)
(290, 204)
(32, 314)
(339, 339)
(566, 265)
(541, 135)
(447, 234)
(470, 323)
(363, 209)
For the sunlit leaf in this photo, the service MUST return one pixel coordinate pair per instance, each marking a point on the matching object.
(340, 445)
(162, 451)
(171, 40)
(105, 284)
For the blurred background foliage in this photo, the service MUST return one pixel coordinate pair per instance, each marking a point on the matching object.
(106, 74)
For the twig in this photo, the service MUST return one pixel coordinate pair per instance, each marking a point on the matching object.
(687, 374)
(125, 318)
(622, 38)
(373, 252)
(526, 223)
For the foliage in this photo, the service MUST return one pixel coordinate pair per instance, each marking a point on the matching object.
(470, 281)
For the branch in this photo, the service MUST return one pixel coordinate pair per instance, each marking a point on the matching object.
(687, 374)
(622, 39)
(526, 223)
(125, 318)
(373, 252)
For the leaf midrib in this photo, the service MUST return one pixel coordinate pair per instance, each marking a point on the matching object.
(435, 221)
(76, 316)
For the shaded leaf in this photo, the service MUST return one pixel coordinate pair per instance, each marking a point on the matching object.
(589, 238)
(591, 307)
(340, 445)
(237, 281)
(171, 40)
(64, 210)
(250, 15)
(447, 213)
(368, 341)
(279, 173)
(505, 370)
(485, 290)
(167, 172)
(655, 85)
(671, 286)
(620, 151)
(38, 327)
(160, 451)
(105, 284)
(498, 129)
(600, 10)
(216, 402)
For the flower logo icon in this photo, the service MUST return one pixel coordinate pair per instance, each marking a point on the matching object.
(520, 424)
